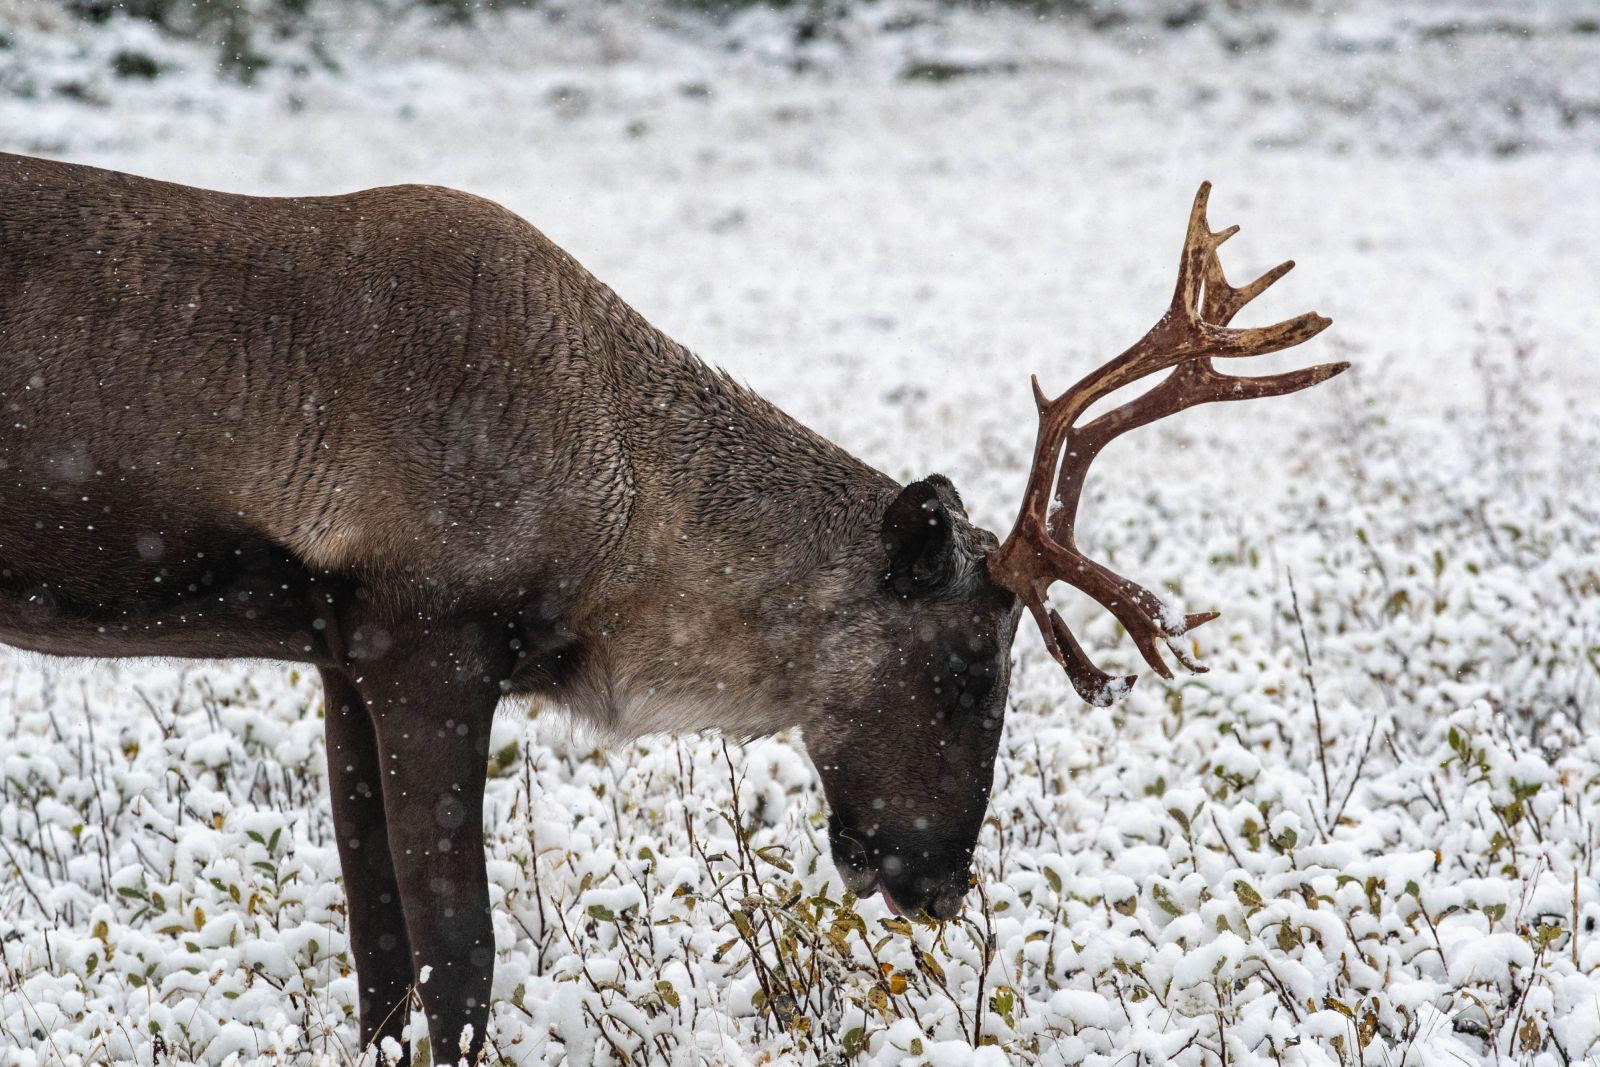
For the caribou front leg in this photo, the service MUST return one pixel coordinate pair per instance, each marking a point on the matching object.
(432, 701)
(378, 939)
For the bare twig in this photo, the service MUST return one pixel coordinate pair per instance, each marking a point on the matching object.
(1316, 707)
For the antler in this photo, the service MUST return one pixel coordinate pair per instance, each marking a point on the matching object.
(1041, 549)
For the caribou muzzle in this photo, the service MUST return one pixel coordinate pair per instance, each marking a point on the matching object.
(922, 875)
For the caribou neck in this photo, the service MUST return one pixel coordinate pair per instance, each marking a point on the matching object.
(744, 531)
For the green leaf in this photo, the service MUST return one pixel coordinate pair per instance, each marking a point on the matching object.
(855, 1042)
(773, 855)
(1164, 898)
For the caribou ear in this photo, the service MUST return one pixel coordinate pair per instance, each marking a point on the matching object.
(917, 537)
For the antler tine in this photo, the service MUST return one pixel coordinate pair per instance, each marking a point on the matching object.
(1222, 301)
(1041, 549)
(1094, 685)
(1199, 252)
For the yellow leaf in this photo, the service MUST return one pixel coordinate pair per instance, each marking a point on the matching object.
(897, 926)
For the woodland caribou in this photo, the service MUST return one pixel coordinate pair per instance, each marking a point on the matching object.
(401, 436)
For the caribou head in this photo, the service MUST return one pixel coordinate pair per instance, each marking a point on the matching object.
(908, 803)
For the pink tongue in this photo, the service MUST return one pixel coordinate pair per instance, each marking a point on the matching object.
(894, 908)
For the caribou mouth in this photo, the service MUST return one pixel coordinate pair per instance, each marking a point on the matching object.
(865, 884)
(894, 908)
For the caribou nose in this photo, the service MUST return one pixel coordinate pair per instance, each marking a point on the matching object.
(921, 875)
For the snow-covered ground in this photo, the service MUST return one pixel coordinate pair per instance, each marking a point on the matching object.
(1396, 866)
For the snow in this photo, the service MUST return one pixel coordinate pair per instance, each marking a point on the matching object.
(1199, 867)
